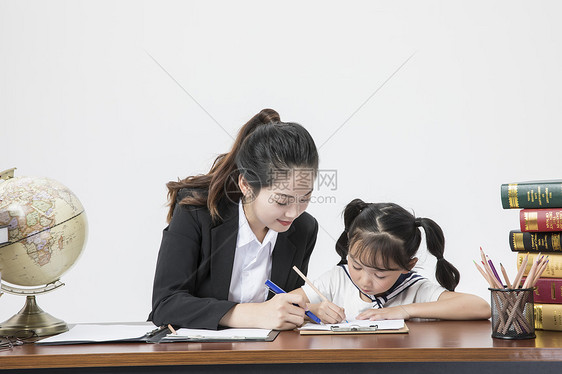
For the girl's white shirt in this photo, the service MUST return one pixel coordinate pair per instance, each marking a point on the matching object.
(336, 285)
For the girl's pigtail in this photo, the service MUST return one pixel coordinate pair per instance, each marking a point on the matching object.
(446, 274)
(351, 212)
(342, 248)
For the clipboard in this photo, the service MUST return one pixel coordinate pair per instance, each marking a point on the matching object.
(170, 338)
(359, 330)
(397, 326)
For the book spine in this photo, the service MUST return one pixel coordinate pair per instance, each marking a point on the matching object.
(540, 220)
(548, 317)
(548, 291)
(531, 195)
(534, 241)
(553, 268)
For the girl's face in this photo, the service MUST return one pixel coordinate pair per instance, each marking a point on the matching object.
(373, 280)
(276, 207)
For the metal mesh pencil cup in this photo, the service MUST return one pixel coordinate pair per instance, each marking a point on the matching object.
(512, 313)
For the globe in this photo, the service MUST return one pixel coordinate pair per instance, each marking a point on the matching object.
(47, 229)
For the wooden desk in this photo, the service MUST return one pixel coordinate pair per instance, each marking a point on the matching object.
(427, 342)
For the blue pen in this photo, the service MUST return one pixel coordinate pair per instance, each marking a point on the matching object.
(276, 289)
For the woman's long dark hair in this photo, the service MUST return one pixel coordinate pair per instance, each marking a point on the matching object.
(263, 145)
(388, 232)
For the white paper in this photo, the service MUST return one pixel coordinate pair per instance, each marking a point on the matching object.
(235, 334)
(387, 324)
(3, 234)
(97, 333)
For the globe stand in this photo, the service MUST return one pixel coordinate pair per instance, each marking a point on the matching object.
(47, 230)
(32, 320)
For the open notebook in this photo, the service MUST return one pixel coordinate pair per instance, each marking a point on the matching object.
(387, 326)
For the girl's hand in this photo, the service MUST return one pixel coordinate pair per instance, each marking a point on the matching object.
(450, 305)
(395, 312)
(328, 312)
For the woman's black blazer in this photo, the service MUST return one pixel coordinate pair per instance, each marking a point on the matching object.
(194, 265)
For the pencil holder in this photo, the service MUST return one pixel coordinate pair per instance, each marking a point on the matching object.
(512, 313)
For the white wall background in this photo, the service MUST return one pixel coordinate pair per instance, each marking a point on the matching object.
(430, 104)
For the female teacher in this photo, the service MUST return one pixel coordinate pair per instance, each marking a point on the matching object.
(237, 226)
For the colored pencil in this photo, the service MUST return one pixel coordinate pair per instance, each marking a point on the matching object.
(507, 282)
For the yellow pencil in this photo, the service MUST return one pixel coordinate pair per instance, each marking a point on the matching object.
(172, 329)
(307, 281)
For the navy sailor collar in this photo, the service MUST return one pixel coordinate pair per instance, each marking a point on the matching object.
(403, 282)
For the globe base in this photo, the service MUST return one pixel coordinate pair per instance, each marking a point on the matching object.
(32, 321)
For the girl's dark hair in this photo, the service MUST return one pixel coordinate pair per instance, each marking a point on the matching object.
(263, 146)
(388, 233)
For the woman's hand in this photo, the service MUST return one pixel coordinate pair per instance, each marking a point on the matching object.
(278, 313)
(328, 312)
(281, 313)
(395, 312)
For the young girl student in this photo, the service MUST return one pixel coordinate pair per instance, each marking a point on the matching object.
(237, 226)
(374, 279)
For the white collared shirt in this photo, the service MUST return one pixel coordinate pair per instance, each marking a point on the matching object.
(252, 263)
(337, 286)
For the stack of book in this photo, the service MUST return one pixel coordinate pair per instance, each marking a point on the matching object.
(540, 221)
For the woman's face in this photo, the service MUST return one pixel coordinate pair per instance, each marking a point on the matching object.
(372, 280)
(277, 206)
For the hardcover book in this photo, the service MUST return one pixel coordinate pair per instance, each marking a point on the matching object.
(535, 241)
(540, 220)
(548, 317)
(553, 268)
(533, 194)
(548, 291)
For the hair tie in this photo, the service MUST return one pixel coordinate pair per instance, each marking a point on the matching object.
(417, 222)
(440, 259)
